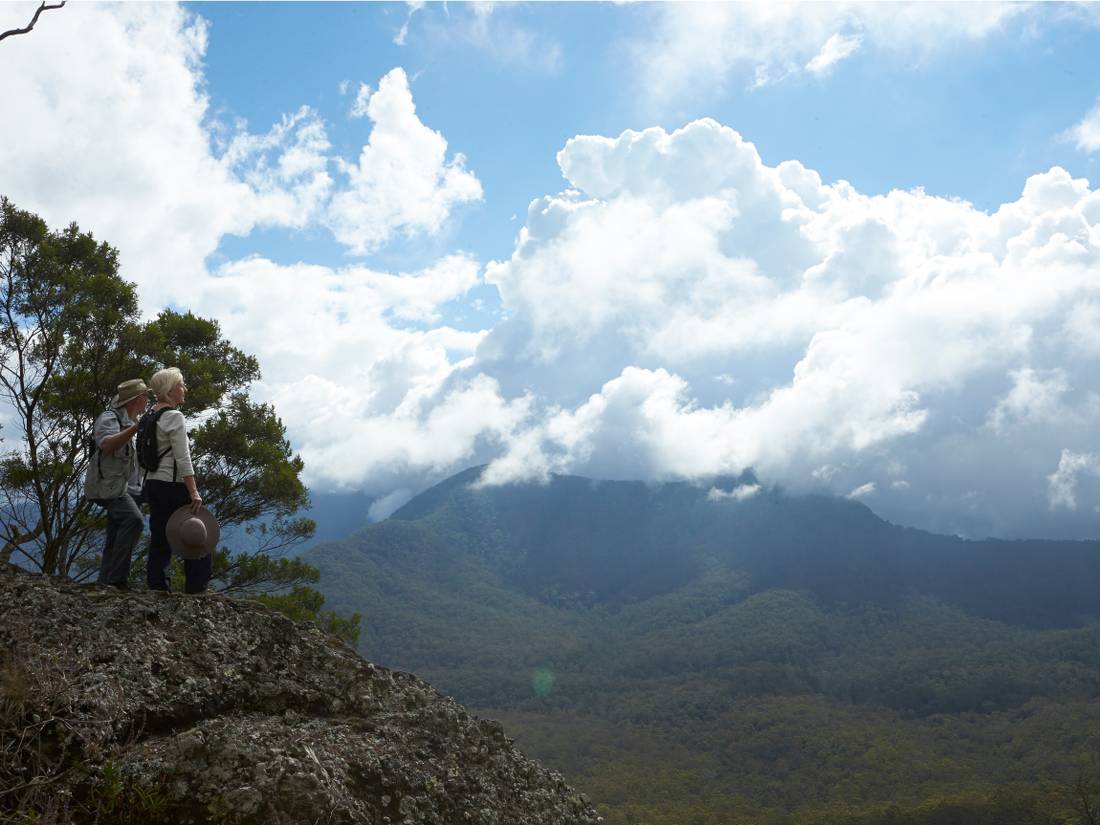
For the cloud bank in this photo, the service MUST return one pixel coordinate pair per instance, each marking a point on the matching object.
(127, 147)
(680, 310)
(706, 46)
(685, 310)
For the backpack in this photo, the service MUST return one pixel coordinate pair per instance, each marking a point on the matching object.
(94, 474)
(147, 455)
(90, 445)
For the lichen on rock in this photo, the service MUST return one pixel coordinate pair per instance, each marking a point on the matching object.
(150, 707)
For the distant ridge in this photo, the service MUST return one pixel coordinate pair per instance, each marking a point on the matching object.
(616, 541)
(683, 656)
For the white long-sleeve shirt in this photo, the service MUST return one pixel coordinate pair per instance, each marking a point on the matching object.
(172, 433)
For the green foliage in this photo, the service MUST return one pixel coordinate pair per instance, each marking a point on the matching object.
(69, 334)
(115, 800)
(304, 604)
(808, 670)
(251, 474)
(214, 368)
(257, 572)
(63, 309)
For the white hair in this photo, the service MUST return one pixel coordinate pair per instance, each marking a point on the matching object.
(163, 381)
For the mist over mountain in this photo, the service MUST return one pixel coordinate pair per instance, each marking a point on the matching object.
(715, 642)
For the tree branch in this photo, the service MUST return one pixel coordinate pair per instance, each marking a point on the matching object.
(41, 8)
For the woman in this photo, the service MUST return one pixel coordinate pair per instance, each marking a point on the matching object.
(172, 484)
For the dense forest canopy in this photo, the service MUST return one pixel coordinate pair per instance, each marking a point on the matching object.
(687, 657)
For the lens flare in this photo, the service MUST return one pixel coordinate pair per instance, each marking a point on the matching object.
(543, 682)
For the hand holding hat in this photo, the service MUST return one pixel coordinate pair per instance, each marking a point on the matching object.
(192, 535)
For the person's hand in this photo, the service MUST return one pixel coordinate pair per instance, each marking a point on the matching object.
(196, 503)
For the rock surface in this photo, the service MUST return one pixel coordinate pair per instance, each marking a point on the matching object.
(148, 708)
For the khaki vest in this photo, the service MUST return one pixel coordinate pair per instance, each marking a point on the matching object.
(108, 473)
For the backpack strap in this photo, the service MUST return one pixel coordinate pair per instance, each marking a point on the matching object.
(156, 419)
(99, 452)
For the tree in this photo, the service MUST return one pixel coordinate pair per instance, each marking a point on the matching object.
(63, 314)
(69, 334)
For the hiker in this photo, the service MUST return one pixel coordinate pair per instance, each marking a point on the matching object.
(113, 481)
(171, 485)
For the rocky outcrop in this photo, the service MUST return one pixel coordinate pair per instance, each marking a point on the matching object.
(150, 708)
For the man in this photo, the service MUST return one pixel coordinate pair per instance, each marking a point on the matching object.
(113, 480)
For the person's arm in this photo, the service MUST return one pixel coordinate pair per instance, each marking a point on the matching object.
(193, 491)
(118, 440)
(181, 453)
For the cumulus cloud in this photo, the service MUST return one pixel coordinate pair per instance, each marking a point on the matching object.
(1063, 481)
(124, 147)
(286, 170)
(359, 105)
(1086, 134)
(128, 120)
(837, 48)
(704, 45)
(1034, 398)
(356, 366)
(685, 310)
(402, 181)
(681, 310)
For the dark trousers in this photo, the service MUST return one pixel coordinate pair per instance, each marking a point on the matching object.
(124, 525)
(165, 497)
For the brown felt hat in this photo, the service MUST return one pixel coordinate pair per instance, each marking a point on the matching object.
(192, 535)
(128, 391)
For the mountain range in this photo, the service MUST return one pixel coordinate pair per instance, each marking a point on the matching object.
(727, 652)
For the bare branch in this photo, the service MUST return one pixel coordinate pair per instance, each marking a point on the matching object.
(41, 8)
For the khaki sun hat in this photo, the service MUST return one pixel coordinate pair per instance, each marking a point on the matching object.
(128, 391)
(192, 535)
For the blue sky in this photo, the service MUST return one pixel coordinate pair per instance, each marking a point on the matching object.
(852, 246)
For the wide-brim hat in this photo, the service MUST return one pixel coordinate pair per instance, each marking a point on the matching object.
(128, 391)
(192, 535)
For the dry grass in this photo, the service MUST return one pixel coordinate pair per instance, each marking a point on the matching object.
(47, 745)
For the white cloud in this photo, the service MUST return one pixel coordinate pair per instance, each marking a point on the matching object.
(362, 98)
(862, 336)
(702, 46)
(862, 490)
(496, 30)
(1086, 134)
(837, 48)
(1082, 328)
(856, 337)
(120, 146)
(360, 383)
(109, 134)
(742, 492)
(1062, 492)
(1035, 398)
(112, 133)
(402, 34)
(402, 181)
(286, 170)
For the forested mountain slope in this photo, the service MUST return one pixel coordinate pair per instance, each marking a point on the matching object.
(685, 655)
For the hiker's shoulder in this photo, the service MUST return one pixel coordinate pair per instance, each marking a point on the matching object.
(170, 419)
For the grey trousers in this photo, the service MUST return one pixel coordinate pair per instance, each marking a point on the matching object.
(124, 526)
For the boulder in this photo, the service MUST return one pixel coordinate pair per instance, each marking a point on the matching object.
(148, 707)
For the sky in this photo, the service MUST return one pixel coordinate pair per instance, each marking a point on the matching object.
(854, 248)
